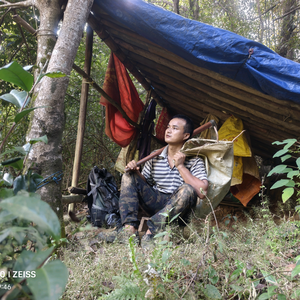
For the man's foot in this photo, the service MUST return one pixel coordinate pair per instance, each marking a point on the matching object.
(147, 241)
(122, 236)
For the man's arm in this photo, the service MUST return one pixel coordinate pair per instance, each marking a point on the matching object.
(132, 166)
(186, 175)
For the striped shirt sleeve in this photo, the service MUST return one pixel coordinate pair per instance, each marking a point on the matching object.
(197, 168)
(147, 172)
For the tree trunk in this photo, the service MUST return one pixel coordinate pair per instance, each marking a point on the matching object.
(176, 6)
(49, 121)
(286, 47)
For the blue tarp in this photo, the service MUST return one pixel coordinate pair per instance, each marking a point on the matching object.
(209, 47)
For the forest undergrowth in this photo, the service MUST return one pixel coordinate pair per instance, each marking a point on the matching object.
(243, 258)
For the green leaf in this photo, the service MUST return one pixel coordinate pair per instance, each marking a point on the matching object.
(281, 297)
(295, 271)
(269, 278)
(291, 174)
(282, 182)
(296, 294)
(235, 274)
(281, 152)
(212, 292)
(214, 279)
(40, 139)
(15, 162)
(18, 233)
(271, 289)
(15, 74)
(36, 178)
(6, 216)
(16, 97)
(277, 169)
(6, 193)
(30, 207)
(161, 234)
(265, 296)
(8, 178)
(23, 150)
(286, 141)
(298, 162)
(236, 287)
(185, 262)
(25, 112)
(165, 214)
(56, 74)
(278, 143)
(285, 157)
(29, 261)
(287, 194)
(162, 242)
(165, 256)
(50, 281)
(24, 182)
(176, 216)
(289, 143)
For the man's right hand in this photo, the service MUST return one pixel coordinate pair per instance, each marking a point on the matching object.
(132, 166)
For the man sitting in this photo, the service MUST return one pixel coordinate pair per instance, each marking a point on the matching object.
(168, 183)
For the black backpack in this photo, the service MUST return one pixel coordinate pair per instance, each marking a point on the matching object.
(103, 199)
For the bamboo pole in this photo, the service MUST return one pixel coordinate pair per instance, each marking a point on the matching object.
(72, 199)
(82, 112)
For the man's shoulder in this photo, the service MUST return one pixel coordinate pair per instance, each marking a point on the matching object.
(192, 161)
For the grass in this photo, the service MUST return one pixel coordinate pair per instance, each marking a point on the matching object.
(254, 259)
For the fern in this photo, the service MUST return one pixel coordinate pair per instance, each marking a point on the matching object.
(128, 291)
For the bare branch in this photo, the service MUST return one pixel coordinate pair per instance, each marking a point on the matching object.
(3, 16)
(288, 13)
(18, 4)
(266, 11)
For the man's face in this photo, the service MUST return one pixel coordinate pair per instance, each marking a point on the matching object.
(175, 132)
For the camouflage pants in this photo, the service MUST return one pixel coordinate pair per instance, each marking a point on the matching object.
(161, 207)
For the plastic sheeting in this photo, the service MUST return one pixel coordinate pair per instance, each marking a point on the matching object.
(211, 48)
(218, 157)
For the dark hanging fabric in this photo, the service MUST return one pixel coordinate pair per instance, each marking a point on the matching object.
(162, 124)
(119, 87)
(144, 142)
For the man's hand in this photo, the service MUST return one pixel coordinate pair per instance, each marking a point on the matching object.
(179, 159)
(132, 166)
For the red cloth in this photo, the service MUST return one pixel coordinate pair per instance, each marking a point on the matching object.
(162, 124)
(119, 87)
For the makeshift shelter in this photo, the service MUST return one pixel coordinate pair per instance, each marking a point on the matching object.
(196, 69)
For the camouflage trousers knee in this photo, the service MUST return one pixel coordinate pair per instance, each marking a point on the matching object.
(161, 207)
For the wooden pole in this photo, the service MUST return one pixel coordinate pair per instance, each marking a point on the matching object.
(82, 112)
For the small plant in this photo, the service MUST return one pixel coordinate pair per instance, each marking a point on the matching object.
(30, 232)
(290, 151)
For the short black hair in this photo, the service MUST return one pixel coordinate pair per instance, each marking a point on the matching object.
(189, 126)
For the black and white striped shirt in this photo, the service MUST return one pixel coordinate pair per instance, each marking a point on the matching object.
(158, 173)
